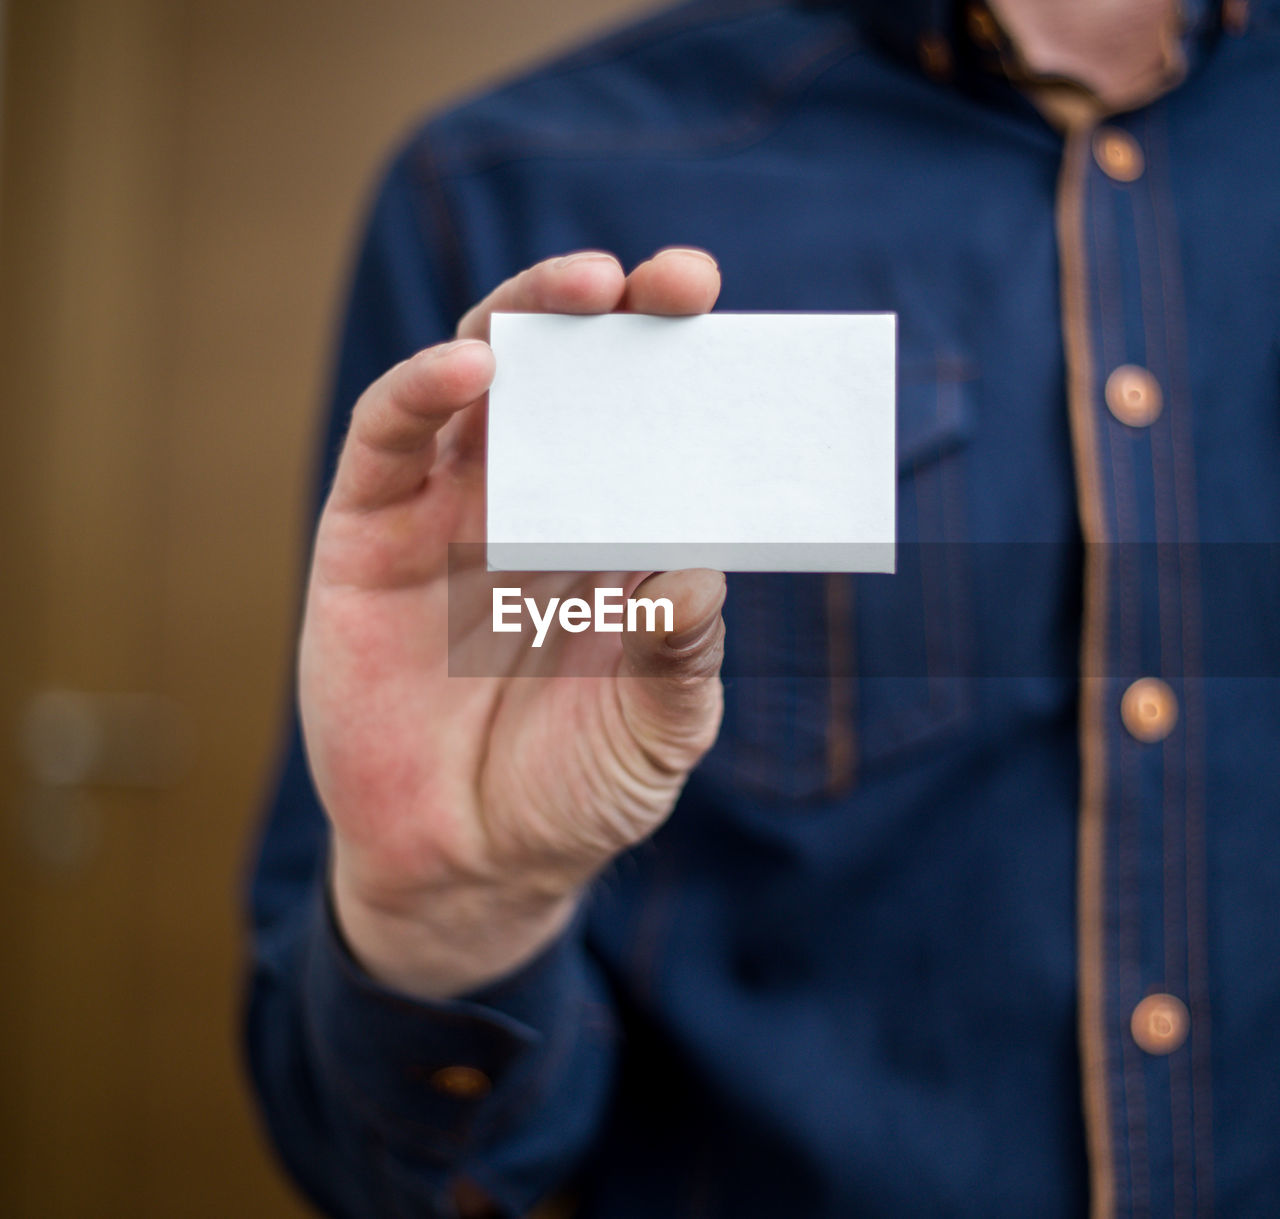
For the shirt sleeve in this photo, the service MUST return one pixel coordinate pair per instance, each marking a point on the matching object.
(378, 1103)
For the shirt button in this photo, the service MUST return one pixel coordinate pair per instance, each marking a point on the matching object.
(935, 56)
(1160, 1024)
(462, 1083)
(1235, 16)
(1117, 154)
(472, 1202)
(1149, 709)
(1134, 396)
(982, 27)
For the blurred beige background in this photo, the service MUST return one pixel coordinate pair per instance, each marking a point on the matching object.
(180, 182)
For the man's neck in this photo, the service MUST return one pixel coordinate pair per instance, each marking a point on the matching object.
(1121, 49)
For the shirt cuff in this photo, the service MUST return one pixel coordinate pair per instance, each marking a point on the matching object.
(441, 1073)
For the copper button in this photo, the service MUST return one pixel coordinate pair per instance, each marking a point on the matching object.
(1117, 154)
(982, 27)
(1149, 709)
(462, 1083)
(1134, 396)
(472, 1202)
(935, 56)
(1235, 16)
(1160, 1024)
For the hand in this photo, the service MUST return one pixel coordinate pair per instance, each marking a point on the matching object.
(469, 812)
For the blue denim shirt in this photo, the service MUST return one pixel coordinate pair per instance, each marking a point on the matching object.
(974, 909)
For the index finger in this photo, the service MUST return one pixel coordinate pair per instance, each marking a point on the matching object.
(589, 281)
(390, 444)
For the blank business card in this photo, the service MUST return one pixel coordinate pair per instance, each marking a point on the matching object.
(736, 441)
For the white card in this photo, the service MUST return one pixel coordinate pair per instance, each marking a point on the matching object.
(736, 441)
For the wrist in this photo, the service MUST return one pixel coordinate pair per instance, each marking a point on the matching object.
(449, 939)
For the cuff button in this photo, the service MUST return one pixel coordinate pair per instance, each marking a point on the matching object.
(462, 1083)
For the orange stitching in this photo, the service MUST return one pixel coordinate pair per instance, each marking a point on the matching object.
(960, 609)
(842, 736)
(1171, 608)
(1092, 1022)
(931, 603)
(1193, 722)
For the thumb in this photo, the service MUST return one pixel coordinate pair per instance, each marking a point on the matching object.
(671, 694)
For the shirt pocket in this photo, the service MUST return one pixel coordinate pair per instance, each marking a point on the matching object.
(829, 676)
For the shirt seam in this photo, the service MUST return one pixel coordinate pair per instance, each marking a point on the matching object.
(753, 121)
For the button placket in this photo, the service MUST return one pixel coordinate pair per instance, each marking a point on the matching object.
(1146, 710)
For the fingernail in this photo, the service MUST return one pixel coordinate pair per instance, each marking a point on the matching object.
(570, 260)
(689, 249)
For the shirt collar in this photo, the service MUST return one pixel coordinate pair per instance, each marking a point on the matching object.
(937, 33)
